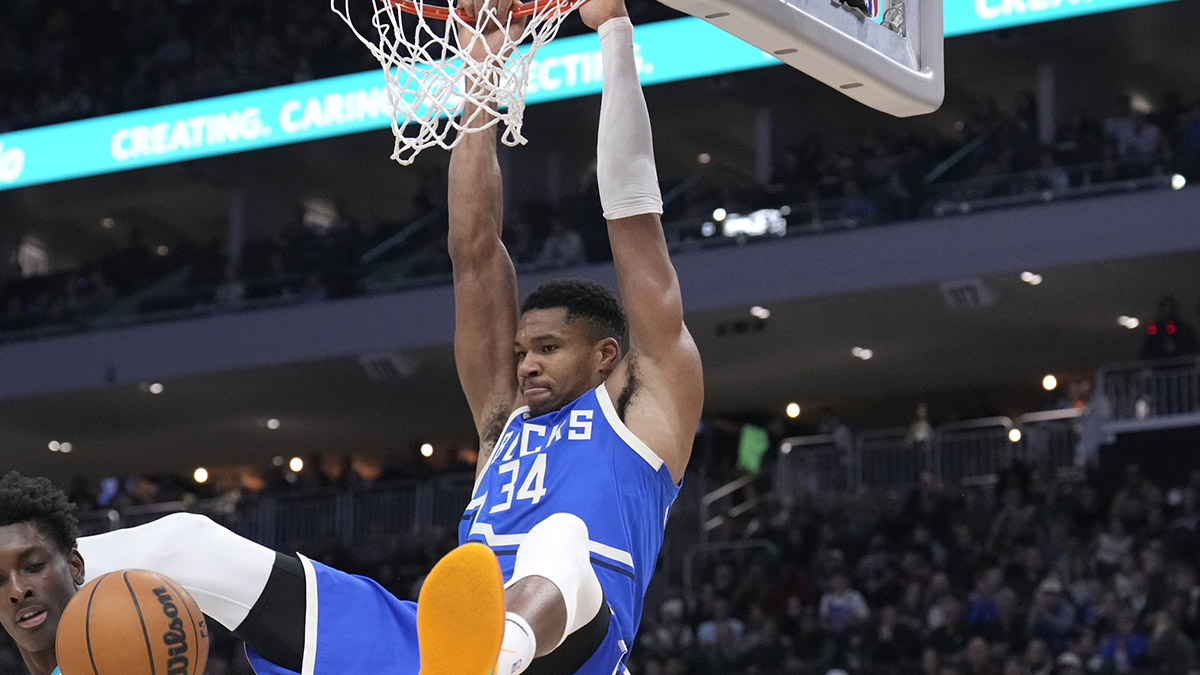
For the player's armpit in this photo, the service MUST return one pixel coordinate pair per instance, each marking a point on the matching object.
(666, 403)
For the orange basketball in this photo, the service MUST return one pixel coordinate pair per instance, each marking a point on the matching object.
(132, 622)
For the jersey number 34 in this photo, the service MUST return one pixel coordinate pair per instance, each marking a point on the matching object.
(533, 488)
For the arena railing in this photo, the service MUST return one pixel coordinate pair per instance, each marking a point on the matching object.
(1150, 395)
(1058, 182)
(722, 504)
(973, 451)
(889, 459)
(317, 518)
(815, 466)
(1051, 439)
(960, 453)
(393, 266)
(717, 550)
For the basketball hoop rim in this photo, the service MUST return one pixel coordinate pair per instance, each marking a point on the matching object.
(531, 8)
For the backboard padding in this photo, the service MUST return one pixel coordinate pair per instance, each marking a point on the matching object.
(900, 75)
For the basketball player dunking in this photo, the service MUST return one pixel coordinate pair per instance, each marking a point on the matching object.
(585, 419)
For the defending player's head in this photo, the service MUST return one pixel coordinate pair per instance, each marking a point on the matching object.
(40, 568)
(572, 333)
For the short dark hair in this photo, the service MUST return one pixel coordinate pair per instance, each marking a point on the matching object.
(586, 301)
(36, 500)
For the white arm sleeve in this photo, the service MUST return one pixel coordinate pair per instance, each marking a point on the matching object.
(624, 150)
(225, 573)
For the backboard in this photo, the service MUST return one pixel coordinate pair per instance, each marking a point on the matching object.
(894, 66)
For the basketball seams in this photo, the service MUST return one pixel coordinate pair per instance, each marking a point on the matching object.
(87, 624)
(142, 619)
(108, 645)
(183, 596)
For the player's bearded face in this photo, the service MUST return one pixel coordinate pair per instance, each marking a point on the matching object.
(554, 360)
(37, 580)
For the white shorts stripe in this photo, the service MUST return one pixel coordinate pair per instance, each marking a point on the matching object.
(493, 540)
(309, 660)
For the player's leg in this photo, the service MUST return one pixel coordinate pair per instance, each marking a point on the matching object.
(556, 609)
(251, 590)
(556, 615)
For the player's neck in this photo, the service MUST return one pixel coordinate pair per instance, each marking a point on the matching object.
(40, 663)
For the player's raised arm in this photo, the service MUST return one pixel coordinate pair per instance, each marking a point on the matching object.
(664, 365)
(485, 283)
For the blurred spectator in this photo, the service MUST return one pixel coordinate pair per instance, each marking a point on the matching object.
(1068, 664)
(920, 431)
(1008, 630)
(1051, 176)
(1170, 649)
(894, 640)
(231, 292)
(1038, 659)
(978, 658)
(721, 624)
(563, 248)
(842, 608)
(952, 635)
(1124, 648)
(1052, 618)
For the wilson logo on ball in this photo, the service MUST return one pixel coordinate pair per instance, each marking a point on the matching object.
(175, 638)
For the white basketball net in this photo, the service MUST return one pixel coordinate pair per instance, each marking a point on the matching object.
(426, 70)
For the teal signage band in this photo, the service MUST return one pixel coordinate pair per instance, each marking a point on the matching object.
(975, 16)
(569, 67)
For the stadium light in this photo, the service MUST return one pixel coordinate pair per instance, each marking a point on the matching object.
(1178, 182)
(719, 214)
(296, 465)
(1014, 435)
(200, 475)
(1049, 383)
(426, 450)
(793, 410)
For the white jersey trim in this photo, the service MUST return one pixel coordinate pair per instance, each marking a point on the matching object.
(631, 439)
(308, 662)
(493, 540)
(495, 449)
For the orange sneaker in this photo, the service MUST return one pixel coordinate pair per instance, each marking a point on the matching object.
(460, 613)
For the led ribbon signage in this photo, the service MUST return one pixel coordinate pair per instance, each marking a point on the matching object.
(569, 67)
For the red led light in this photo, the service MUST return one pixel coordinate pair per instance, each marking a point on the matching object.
(1170, 328)
(1152, 328)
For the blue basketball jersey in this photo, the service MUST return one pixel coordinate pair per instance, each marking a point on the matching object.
(583, 460)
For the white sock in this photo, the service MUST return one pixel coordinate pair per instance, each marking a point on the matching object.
(518, 648)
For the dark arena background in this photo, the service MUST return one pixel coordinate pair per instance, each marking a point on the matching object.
(952, 388)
